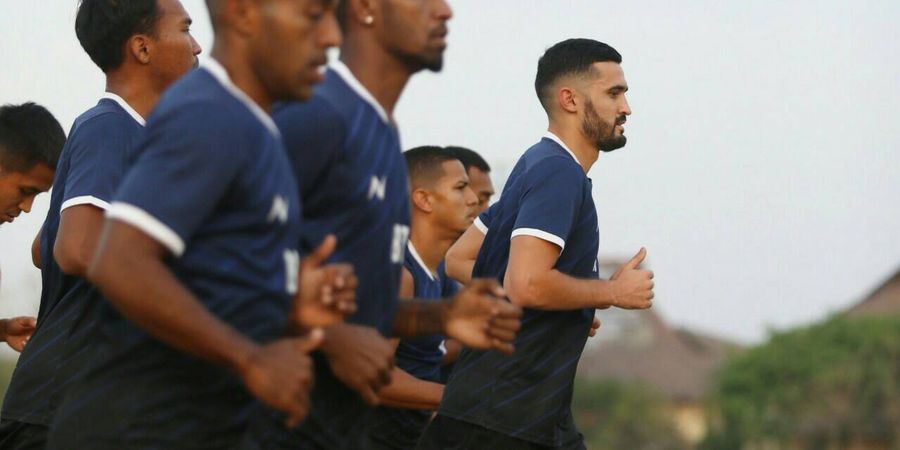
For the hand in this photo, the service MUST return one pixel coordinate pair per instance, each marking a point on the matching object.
(360, 357)
(594, 326)
(478, 318)
(327, 293)
(17, 331)
(633, 286)
(280, 374)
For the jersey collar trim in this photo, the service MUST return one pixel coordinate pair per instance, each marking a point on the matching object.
(553, 137)
(344, 72)
(221, 75)
(124, 105)
(415, 255)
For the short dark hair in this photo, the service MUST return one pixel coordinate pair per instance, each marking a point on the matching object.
(570, 57)
(469, 158)
(104, 26)
(29, 135)
(340, 13)
(424, 163)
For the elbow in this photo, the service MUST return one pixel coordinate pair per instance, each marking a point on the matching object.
(71, 261)
(454, 267)
(523, 291)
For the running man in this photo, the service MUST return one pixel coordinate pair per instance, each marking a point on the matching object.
(142, 47)
(352, 178)
(198, 253)
(541, 239)
(30, 143)
(443, 206)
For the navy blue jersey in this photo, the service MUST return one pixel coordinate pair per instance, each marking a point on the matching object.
(395, 428)
(213, 185)
(352, 177)
(449, 288)
(528, 395)
(90, 168)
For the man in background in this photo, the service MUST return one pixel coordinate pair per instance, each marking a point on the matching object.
(443, 206)
(30, 143)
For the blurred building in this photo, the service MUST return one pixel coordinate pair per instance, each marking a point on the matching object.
(884, 300)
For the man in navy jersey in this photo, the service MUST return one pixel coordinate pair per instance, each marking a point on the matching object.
(352, 179)
(30, 143)
(541, 239)
(198, 253)
(142, 47)
(479, 173)
(443, 206)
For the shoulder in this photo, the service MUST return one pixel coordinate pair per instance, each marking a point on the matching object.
(543, 161)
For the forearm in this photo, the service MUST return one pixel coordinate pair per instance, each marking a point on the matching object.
(554, 290)
(409, 392)
(4, 323)
(148, 294)
(419, 318)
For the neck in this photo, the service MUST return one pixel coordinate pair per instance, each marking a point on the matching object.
(136, 91)
(583, 148)
(383, 75)
(241, 73)
(431, 242)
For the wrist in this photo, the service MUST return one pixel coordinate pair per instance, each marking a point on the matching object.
(3, 326)
(244, 357)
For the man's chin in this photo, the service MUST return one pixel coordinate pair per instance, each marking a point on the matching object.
(612, 144)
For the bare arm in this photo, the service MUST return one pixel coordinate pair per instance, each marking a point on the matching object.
(532, 281)
(128, 268)
(76, 239)
(405, 390)
(461, 257)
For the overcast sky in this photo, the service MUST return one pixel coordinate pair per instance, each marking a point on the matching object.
(761, 170)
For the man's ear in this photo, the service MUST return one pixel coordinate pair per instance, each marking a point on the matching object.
(139, 48)
(421, 199)
(567, 99)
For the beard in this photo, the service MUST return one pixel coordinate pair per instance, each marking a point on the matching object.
(602, 134)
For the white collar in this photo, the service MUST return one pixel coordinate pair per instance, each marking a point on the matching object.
(221, 75)
(415, 255)
(122, 103)
(344, 72)
(555, 138)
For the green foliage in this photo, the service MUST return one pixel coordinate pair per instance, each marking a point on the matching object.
(616, 416)
(817, 387)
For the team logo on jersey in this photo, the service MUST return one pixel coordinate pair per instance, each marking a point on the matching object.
(377, 187)
(279, 210)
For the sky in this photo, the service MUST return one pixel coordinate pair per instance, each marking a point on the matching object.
(761, 171)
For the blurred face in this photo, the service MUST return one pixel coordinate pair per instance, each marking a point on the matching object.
(454, 203)
(605, 107)
(480, 183)
(290, 47)
(18, 189)
(174, 49)
(415, 31)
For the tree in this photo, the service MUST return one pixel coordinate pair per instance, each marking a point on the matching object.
(825, 386)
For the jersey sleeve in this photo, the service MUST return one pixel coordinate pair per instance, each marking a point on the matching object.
(186, 165)
(552, 192)
(97, 161)
(483, 221)
(313, 135)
